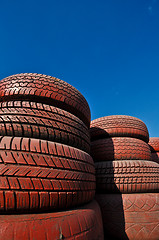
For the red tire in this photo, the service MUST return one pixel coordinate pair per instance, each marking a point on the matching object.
(130, 216)
(155, 157)
(37, 120)
(127, 176)
(38, 174)
(120, 148)
(154, 144)
(118, 126)
(82, 223)
(45, 89)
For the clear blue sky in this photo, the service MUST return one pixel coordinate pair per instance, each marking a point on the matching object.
(107, 49)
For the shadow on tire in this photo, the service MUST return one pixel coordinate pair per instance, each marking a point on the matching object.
(110, 201)
(155, 157)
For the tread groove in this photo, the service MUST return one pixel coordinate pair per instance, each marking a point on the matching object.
(56, 127)
(139, 176)
(48, 168)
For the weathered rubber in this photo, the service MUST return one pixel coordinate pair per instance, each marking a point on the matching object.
(39, 174)
(45, 89)
(154, 144)
(37, 120)
(127, 176)
(120, 148)
(118, 126)
(79, 224)
(155, 157)
(130, 216)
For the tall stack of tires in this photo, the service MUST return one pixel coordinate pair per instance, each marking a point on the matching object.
(45, 166)
(127, 180)
(154, 147)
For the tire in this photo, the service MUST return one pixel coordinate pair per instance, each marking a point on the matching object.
(37, 175)
(118, 126)
(130, 216)
(130, 176)
(29, 119)
(45, 89)
(155, 157)
(120, 148)
(81, 223)
(154, 144)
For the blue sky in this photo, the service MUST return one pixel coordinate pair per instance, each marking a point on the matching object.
(107, 49)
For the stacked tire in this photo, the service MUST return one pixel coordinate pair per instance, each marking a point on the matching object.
(45, 162)
(127, 179)
(154, 147)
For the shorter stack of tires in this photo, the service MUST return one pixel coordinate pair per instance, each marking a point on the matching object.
(45, 164)
(154, 147)
(127, 179)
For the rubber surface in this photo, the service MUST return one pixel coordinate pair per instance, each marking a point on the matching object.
(120, 148)
(154, 144)
(130, 216)
(118, 126)
(45, 89)
(37, 120)
(38, 174)
(79, 224)
(155, 157)
(127, 176)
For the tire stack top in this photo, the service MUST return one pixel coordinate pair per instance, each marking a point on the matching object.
(45, 89)
(118, 126)
(44, 145)
(124, 170)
